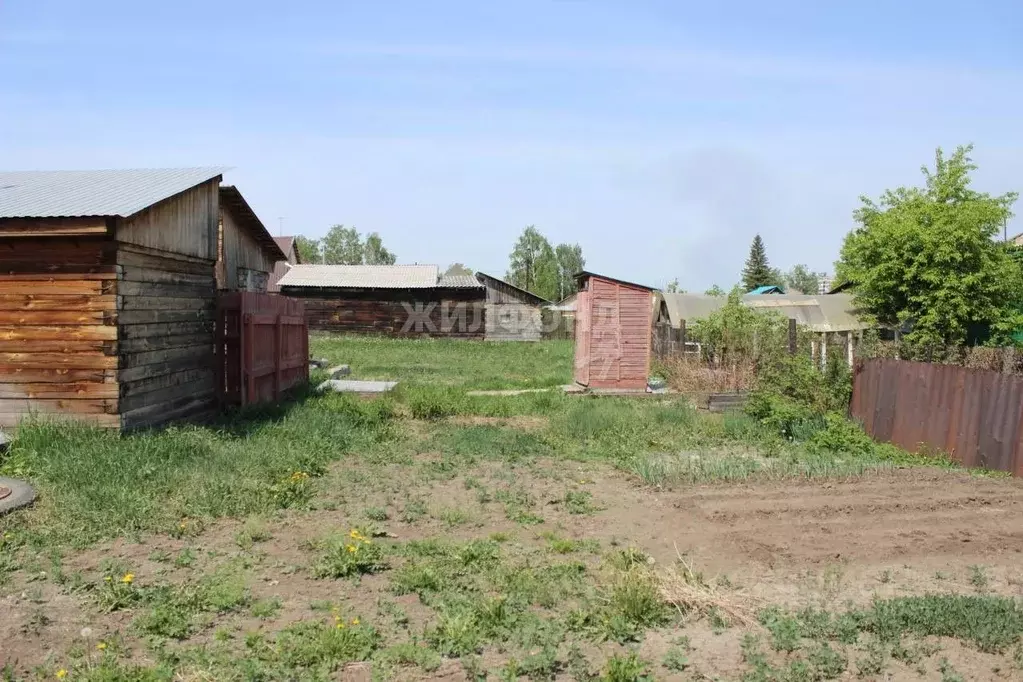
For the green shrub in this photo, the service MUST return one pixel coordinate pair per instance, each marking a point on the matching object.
(349, 556)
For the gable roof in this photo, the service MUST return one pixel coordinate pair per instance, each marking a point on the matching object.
(374, 277)
(72, 194)
(232, 200)
(821, 313)
(767, 289)
(459, 282)
(483, 277)
(586, 273)
(286, 244)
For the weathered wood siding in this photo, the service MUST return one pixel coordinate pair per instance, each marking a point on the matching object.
(166, 316)
(184, 224)
(246, 266)
(511, 315)
(613, 335)
(451, 313)
(58, 333)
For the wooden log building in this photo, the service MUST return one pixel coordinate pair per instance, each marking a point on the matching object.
(390, 300)
(512, 314)
(108, 294)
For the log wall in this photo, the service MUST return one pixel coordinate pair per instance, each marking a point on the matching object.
(246, 265)
(166, 316)
(58, 333)
(448, 313)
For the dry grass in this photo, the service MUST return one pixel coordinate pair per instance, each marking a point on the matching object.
(691, 375)
(692, 595)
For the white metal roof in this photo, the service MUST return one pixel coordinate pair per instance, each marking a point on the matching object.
(362, 276)
(66, 194)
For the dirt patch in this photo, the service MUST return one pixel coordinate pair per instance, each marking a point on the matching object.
(523, 422)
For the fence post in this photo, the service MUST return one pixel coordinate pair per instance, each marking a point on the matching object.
(248, 351)
(278, 356)
(218, 354)
(792, 336)
(682, 337)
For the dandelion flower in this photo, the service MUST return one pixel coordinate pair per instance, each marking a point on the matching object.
(355, 621)
(101, 646)
(354, 534)
(61, 674)
(108, 579)
(128, 578)
(351, 548)
(341, 626)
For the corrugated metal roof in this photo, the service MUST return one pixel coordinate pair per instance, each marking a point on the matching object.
(362, 276)
(460, 282)
(67, 194)
(539, 300)
(768, 289)
(823, 313)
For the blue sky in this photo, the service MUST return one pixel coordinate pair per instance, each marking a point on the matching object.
(660, 135)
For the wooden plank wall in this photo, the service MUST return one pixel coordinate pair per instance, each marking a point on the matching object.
(184, 224)
(165, 323)
(240, 251)
(386, 312)
(513, 322)
(58, 333)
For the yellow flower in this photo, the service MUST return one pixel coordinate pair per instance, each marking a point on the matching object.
(128, 578)
(101, 646)
(61, 674)
(351, 548)
(355, 534)
(355, 621)
(108, 579)
(341, 626)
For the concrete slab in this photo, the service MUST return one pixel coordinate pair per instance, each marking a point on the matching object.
(353, 386)
(15, 494)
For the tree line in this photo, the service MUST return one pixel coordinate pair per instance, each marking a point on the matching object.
(344, 246)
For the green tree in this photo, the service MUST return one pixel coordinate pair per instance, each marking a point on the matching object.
(374, 253)
(802, 279)
(342, 246)
(715, 290)
(457, 269)
(926, 257)
(308, 249)
(758, 272)
(534, 266)
(570, 262)
(673, 287)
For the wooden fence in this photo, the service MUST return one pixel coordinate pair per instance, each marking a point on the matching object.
(974, 415)
(262, 347)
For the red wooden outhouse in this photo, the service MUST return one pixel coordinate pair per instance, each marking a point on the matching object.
(612, 336)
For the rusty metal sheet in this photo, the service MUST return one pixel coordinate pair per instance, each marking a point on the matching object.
(973, 415)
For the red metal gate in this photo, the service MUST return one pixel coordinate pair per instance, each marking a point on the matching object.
(262, 347)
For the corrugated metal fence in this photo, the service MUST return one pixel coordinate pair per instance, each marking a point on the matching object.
(974, 415)
(262, 347)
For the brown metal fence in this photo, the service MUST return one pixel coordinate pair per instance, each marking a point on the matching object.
(974, 415)
(262, 347)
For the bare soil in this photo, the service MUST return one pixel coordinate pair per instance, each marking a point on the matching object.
(793, 544)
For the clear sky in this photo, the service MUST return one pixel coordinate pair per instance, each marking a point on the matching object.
(660, 135)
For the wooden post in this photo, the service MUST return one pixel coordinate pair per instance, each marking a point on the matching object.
(218, 354)
(249, 361)
(682, 338)
(849, 356)
(792, 336)
(813, 351)
(824, 350)
(278, 356)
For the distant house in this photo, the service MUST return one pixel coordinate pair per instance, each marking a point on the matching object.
(512, 314)
(768, 289)
(391, 300)
(822, 313)
(107, 294)
(289, 246)
(246, 253)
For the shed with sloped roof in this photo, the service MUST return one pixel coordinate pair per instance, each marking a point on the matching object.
(390, 300)
(107, 294)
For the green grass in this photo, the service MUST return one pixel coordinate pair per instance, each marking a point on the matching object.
(433, 463)
(462, 364)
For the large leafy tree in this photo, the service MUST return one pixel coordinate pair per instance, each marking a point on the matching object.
(758, 271)
(570, 262)
(457, 269)
(345, 246)
(926, 257)
(534, 265)
(374, 253)
(802, 279)
(308, 249)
